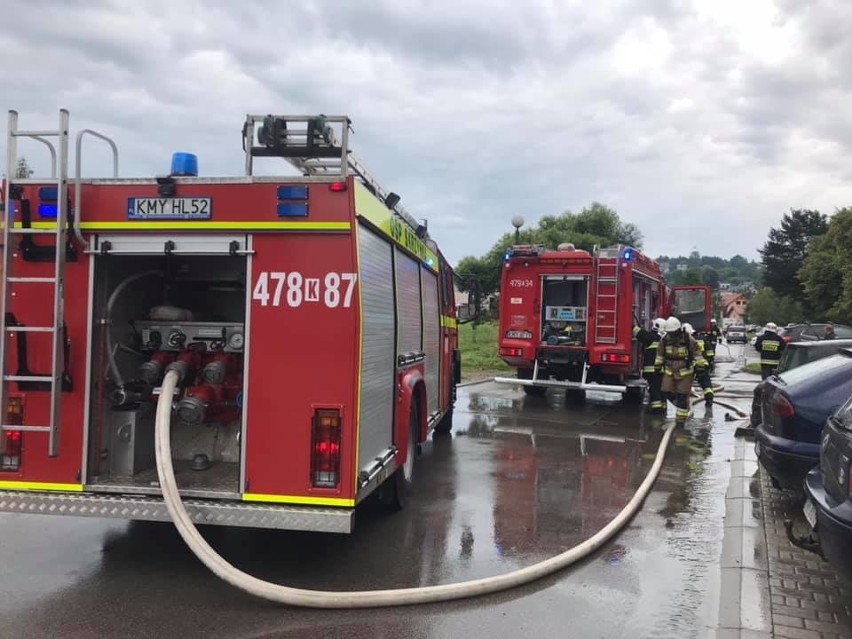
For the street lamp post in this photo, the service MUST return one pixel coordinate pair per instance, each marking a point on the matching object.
(517, 222)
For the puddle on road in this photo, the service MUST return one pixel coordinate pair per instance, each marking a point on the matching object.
(559, 473)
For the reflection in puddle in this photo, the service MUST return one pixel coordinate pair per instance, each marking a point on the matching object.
(553, 490)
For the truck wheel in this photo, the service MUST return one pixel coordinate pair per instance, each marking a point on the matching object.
(446, 424)
(535, 391)
(394, 493)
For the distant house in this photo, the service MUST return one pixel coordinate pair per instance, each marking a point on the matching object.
(734, 306)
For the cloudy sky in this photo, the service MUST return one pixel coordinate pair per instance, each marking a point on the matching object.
(701, 121)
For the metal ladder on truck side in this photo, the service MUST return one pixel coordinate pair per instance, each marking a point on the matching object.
(606, 296)
(13, 235)
(318, 146)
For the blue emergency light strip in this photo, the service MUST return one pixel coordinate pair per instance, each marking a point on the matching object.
(47, 211)
(287, 207)
(292, 192)
(48, 194)
(292, 209)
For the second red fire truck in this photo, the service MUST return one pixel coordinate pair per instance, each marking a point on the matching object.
(567, 316)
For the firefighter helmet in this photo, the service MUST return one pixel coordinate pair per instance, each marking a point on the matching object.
(672, 324)
(688, 328)
(771, 326)
(658, 324)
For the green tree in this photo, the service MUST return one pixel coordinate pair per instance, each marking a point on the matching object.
(710, 277)
(826, 274)
(786, 250)
(767, 306)
(689, 277)
(738, 262)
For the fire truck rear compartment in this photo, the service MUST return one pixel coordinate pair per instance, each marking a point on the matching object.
(565, 310)
(153, 313)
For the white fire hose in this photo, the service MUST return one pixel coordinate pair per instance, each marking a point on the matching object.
(368, 598)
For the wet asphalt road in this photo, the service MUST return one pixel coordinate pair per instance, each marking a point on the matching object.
(520, 479)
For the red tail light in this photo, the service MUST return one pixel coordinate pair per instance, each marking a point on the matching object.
(337, 187)
(781, 406)
(10, 440)
(511, 352)
(615, 358)
(325, 448)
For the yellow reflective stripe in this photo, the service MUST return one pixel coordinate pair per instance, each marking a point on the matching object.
(368, 207)
(296, 499)
(204, 226)
(449, 322)
(769, 362)
(649, 369)
(36, 485)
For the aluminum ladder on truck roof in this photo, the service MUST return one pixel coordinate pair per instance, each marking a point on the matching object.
(318, 146)
(606, 295)
(15, 238)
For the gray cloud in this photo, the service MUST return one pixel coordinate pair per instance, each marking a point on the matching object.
(691, 122)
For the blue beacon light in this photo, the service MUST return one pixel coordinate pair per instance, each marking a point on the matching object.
(184, 164)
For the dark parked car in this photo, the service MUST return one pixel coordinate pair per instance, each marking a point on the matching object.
(794, 355)
(828, 503)
(794, 407)
(736, 334)
(812, 332)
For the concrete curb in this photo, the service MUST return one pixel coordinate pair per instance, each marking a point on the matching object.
(744, 601)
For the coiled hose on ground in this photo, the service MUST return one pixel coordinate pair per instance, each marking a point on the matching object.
(368, 598)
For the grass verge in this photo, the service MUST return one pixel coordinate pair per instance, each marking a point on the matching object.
(753, 368)
(478, 345)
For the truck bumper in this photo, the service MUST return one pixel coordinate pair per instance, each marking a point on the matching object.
(208, 512)
(552, 383)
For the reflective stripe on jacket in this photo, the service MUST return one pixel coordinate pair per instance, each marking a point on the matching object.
(770, 346)
(677, 356)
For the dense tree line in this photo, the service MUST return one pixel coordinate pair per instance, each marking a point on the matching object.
(711, 270)
(807, 269)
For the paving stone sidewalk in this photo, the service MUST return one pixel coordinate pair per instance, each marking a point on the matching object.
(808, 598)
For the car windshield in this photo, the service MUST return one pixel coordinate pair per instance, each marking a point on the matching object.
(736, 329)
(817, 367)
(843, 332)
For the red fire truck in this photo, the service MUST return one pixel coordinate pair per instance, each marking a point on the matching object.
(310, 318)
(567, 316)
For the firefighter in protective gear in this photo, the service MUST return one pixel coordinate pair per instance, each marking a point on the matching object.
(702, 376)
(710, 338)
(650, 340)
(770, 347)
(677, 355)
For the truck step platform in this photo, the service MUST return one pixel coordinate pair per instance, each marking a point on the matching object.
(149, 508)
